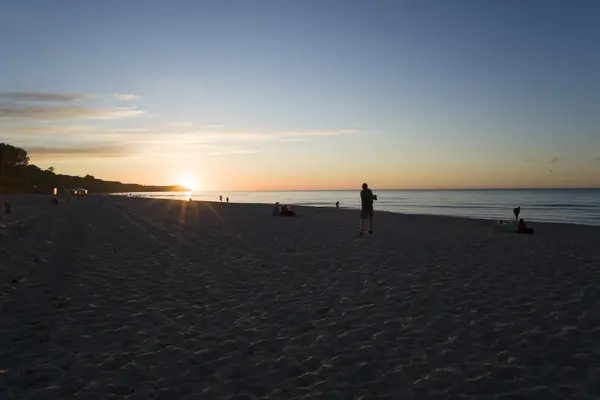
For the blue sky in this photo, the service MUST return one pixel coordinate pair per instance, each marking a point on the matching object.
(306, 94)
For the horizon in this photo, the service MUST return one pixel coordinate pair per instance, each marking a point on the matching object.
(378, 190)
(271, 96)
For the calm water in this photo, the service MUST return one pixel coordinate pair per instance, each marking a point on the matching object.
(581, 206)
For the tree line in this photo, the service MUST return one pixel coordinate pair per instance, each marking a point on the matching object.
(17, 175)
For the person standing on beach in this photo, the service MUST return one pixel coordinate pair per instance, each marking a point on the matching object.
(366, 210)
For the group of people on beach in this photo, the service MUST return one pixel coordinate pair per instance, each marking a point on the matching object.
(367, 199)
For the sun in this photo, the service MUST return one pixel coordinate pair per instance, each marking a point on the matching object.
(188, 180)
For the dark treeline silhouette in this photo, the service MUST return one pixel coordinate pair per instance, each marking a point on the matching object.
(18, 176)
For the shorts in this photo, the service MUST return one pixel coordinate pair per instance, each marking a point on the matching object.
(366, 212)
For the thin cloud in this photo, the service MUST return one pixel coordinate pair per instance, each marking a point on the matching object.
(40, 97)
(335, 132)
(554, 160)
(231, 152)
(87, 151)
(57, 129)
(129, 130)
(36, 113)
(71, 129)
(289, 135)
(180, 124)
(126, 96)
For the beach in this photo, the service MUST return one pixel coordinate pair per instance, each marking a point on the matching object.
(116, 297)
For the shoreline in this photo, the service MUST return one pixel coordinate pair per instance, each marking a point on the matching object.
(377, 212)
(489, 221)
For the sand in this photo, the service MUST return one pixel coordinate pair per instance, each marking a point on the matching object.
(109, 297)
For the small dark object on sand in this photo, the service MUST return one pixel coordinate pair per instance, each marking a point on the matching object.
(7, 207)
(517, 211)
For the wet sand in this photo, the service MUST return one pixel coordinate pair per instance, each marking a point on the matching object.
(109, 297)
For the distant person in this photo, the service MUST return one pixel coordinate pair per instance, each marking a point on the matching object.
(516, 212)
(227, 199)
(283, 210)
(337, 204)
(523, 228)
(220, 198)
(366, 210)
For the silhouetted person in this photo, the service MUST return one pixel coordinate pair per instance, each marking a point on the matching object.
(517, 211)
(366, 210)
(227, 199)
(220, 198)
(337, 204)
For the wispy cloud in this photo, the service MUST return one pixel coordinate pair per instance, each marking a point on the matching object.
(57, 113)
(130, 130)
(554, 160)
(288, 135)
(231, 152)
(180, 123)
(69, 129)
(53, 129)
(84, 151)
(306, 134)
(40, 97)
(126, 96)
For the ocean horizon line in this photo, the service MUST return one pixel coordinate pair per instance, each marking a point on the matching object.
(389, 190)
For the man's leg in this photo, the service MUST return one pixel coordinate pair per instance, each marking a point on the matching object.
(371, 222)
(362, 220)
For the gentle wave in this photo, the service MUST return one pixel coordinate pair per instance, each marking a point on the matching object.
(580, 206)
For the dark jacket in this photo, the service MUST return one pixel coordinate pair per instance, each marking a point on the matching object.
(366, 198)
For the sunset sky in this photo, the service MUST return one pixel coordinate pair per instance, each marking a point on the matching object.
(311, 94)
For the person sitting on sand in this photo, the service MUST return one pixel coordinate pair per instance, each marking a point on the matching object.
(286, 211)
(283, 210)
(366, 212)
(522, 227)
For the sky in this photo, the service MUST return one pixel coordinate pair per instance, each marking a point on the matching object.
(306, 94)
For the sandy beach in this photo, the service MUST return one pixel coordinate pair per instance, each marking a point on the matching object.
(113, 297)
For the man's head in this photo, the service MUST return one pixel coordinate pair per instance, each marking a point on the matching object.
(365, 186)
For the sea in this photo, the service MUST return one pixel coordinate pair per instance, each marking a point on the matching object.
(575, 206)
